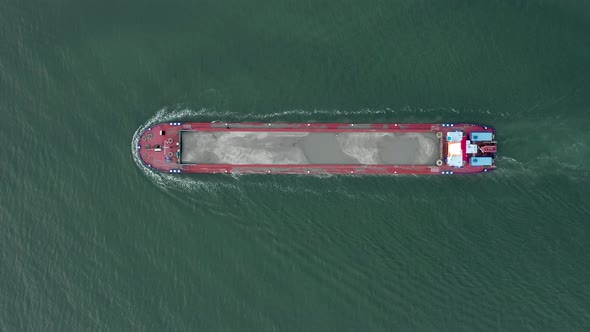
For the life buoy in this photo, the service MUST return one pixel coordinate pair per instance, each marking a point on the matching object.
(170, 154)
(439, 162)
(439, 135)
(170, 140)
(143, 156)
(143, 138)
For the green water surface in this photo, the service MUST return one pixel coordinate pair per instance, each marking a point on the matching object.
(91, 241)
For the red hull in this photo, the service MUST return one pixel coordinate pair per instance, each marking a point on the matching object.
(159, 148)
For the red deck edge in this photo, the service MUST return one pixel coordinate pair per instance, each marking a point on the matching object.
(167, 159)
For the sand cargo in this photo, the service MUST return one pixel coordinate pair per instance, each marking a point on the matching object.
(318, 148)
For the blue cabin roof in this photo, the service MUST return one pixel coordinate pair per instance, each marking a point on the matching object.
(481, 136)
(481, 161)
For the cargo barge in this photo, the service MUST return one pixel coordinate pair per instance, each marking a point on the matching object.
(318, 148)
